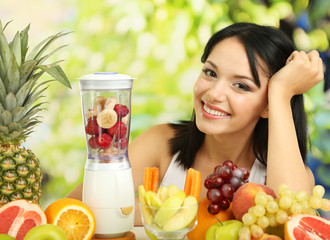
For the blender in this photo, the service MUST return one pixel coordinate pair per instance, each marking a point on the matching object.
(108, 188)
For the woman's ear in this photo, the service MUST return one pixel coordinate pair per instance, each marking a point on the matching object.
(264, 113)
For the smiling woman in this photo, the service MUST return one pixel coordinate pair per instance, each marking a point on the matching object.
(248, 108)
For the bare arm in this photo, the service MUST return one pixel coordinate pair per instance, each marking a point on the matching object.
(285, 164)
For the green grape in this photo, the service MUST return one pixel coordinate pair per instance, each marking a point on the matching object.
(286, 192)
(315, 202)
(272, 219)
(309, 211)
(244, 233)
(296, 208)
(301, 196)
(263, 221)
(285, 202)
(261, 198)
(281, 216)
(258, 210)
(269, 198)
(248, 219)
(256, 231)
(282, 186)
(325, 204)
(318, 191)
(305, 204)
(272, 206)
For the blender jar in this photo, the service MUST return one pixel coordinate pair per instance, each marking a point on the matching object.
(108, 183)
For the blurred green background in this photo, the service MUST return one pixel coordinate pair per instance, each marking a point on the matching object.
(160, 43)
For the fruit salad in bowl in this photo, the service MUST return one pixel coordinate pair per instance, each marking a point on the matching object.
(168, 213)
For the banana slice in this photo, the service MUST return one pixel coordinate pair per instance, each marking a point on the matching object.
(110, 102)
(99, 102)
(106, 118)
(125, 119)
(91, 113)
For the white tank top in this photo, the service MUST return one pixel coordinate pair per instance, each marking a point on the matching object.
(176, 174)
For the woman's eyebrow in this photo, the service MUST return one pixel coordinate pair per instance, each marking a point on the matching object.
(211, 63)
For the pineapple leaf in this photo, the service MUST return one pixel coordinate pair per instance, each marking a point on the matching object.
(14, 126)
(24, 91)
(15, 46)
(33, 97)
(44, 58)
(5, 51)
(10, 101)
(26, 70)
(57, 73)
(15, 135)
(3, 92)
(4, 130)
(6, 25)
(17, 113)
(7, 117)
(13, 75)
(24, 42)
(36, 53)
(1, 108)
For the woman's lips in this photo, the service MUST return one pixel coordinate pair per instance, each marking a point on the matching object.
(213, 113)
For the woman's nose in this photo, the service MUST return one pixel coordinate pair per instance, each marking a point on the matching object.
(218, 91)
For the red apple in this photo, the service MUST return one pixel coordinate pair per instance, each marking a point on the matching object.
(244, 198)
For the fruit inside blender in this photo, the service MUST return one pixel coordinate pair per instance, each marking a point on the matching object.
(106, 123)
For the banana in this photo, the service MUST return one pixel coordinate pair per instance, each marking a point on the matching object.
(99, 102)
(106, 118)
(110, 102)
(91, 113)
(125, 119)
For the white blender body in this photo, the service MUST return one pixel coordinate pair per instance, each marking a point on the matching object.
(108, 187)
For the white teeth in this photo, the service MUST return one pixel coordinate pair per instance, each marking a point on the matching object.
(214, 112)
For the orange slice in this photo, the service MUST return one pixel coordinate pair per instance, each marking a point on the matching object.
(73, 216)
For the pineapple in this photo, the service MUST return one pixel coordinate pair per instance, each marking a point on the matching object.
(20, 176)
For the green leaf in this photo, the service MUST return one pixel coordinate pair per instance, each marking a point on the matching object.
(5, 50)
(26, 70)
(13, 127)
(11, 101)
(3, 92)
(44, 58)
(13, 75)
(24, 91)
(15, 46)
(4, 129)
(6, 117)
(1, 108)
(36, 53)
(15, 134)
(18, 113)
(24, 42)
(57, 73)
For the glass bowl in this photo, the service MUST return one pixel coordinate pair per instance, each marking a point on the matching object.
(167, 222)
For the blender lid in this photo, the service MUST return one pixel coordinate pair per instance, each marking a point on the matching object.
(105, 80)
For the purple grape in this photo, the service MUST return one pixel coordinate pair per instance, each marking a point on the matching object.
(213, 208)
(227, 190)
(224, 203)
(238, 173)
(246, 173)
(208, 183)
(217, 181)
(214, 195)
(235, 182)
(225, 172)
(228, 163)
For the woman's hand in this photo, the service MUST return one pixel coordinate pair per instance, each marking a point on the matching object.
(301, 72)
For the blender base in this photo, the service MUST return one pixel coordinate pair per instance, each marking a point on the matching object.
(128, 236)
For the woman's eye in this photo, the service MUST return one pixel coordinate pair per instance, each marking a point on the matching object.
(242, 86)
(210, 73)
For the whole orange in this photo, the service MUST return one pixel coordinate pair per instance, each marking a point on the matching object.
(206, 220)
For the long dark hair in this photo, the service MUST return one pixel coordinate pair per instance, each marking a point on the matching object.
(273, 47)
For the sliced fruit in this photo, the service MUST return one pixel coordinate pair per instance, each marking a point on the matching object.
(19, 216)
(106, 118)
(121, 110)
(163, 193)
(73, 216)
(171, 190)
(169, 208)
(184, 216)
(307, 226)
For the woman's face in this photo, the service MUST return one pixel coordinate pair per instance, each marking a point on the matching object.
(226, 98)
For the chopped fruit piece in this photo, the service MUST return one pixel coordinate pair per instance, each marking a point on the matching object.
(121, 110)
(92, 128)
(104, 141)
(118, 130)
(92, 142)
